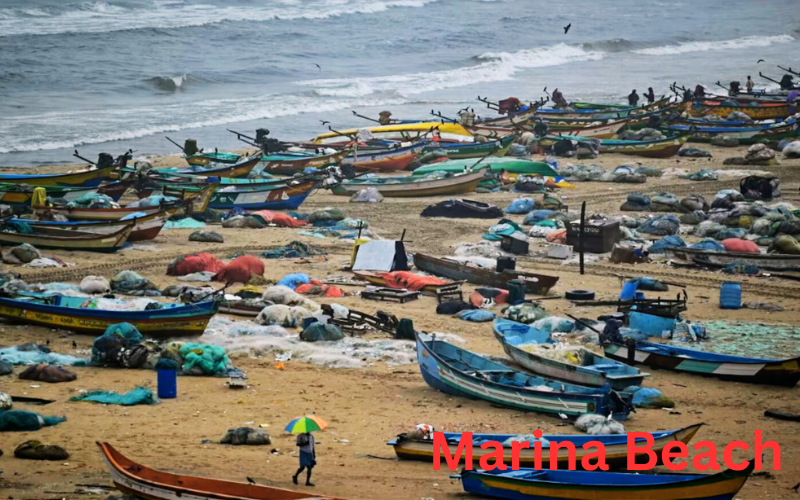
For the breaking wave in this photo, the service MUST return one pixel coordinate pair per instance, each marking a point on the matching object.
(168, 83)
(737, 43)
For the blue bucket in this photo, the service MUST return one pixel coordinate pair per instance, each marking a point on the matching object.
(628, 290)
(167, 383)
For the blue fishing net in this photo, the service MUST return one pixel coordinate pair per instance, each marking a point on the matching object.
(20, 420)
(751, 339)
(138, 396)
(34, 354)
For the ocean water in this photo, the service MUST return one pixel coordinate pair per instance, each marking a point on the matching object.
(108, 76)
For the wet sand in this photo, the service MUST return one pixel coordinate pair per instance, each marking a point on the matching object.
(368, 406)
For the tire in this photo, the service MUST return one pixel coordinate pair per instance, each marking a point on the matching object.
(579, 295)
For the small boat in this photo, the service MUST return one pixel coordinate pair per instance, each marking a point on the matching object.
(767, 261)
(20, 195)
(458, 151)
(273, 197)
(539, 284)
(495, 164)
(81, 178)
(591, 369)
(144, 228)
(450, 132)
(384, 160)
(412, 186)
(65, 239)
(140, 481)
(616, 446)
(242, 168)
(766, 111)
(524, 484)
(780, 372)
(657, 148)
(459, 372)
(751, 134)
(76, 315)
(290, 165)
(203, 159)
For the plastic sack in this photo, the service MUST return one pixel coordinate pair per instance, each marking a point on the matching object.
(661, 225)
(294, 280)
(476, 315)
(670, 241)
(22, 421)
(520, 206)
(708, 245)
(598, 424)
(367, 195)
(95, 284)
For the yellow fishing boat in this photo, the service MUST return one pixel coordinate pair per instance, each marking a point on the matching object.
(450, 132)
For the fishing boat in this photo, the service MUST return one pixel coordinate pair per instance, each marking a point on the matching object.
(781, 372)
(495, 164)
(65, 239)
(413, 186)
(134, 479)
(290, 165)
(384, 160)
(766, 261)
(657, 148)
(413, 132)
(751, 134)
(203, 159)
(242, 168)
(144, 228)
(187, 201)
(530, 484)
(81, 178)
(589, 369)
(459, 372)
(765, 111)
(21, 195)
(616, 446)
(539, 284)
(599, 131)
(273, 197)
(80, 314)
(457, 151)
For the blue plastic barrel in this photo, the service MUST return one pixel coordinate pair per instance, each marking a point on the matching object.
(167, 383)
(628, 290)
(730, 295)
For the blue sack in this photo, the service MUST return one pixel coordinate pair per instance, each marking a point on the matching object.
(476, 315)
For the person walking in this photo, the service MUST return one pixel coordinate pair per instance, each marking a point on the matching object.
(308, 457)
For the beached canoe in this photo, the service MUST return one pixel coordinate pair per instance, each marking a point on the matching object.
(458, 151)
(412, 132)
(288, 165)
(538, 284)
(615, 445)
(81, 178)
(590, 369)
(242, 168)
(140, 481)
(767, 261)
(19, 196)
(495, 164)
(384, 160)
(454, 370)
(746, 134)
(781, 372)
(203, 159)
(765, 111)
(272, 197)
(658, 148)
(414, 186)
(532, 484)
(65, 239)
(144, 228)
(76, 315)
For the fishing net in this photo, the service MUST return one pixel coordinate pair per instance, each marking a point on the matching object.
(20, 420)
(27, 354)
(138, 396)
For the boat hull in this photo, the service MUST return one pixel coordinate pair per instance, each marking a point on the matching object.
(144, 229)
(85, 178)
(70, 240)
(291, 167)
(770, 262)
(459, 184)
(280, 198)
(766, 112)
(473, 150)
(384, 161)
(236, 170)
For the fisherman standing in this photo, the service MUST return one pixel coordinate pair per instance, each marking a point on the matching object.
(651, 96)
(633, 98)
(749, 84)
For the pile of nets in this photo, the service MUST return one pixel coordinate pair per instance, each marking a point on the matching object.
(138, 396)
(120, 346)
(185, 223)
(194, 263)
(294, 249)
(598, 424)
(24, 421)
(198, 359)
(93, 200)
(132, 283)
(27, 354)
(240, 270)
(278, 219)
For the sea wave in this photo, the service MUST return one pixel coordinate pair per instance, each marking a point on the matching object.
(168, 83)
(101, 17)
(737, 43)
(490, 67)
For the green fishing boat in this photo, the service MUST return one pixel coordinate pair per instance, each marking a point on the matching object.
(495, 164)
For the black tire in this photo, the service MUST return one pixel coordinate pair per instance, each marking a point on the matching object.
(579, 295)
(779, 415)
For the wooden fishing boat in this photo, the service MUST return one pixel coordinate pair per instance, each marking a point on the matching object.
(530, 484)
(519, 118)
(81, 178)
(495, 164)
(590, 369)
(459, 372)
(240, 169)
(274, 197)
(766, 111)
(144, 228)
(745, 134)
(539, 284)
(20, 195)
(285, 165)
(603, 131)
(411, 186)
(615, 446)
(456, 151)
(385, 160)
(767, 261)
(203, 159)
(188, 201)
(781, 372)
(140, 481)
(65, 239)
(76, 315)
(658, 148)
(413, 132)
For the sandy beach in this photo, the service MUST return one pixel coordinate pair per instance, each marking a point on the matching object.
(369, 405)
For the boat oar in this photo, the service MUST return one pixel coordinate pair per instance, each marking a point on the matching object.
(367, 118)
(175, 143)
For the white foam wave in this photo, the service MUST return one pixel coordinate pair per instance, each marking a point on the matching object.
(496, 66)
(58, 130)
(737, 43)
(98, 17)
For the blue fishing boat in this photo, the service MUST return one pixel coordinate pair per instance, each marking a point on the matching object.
(284, 196)
(584, 367)
(616, 446)
(80, 314)
(532, 484)
(460, 372)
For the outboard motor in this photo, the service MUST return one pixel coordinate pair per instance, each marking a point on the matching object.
(261, 135)
(104, 160)
(190, 147)
(786, 82)
(385, 117)
(734, 89)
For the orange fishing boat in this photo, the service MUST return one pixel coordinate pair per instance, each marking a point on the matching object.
(135, 479)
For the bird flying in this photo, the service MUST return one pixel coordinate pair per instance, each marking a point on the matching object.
(759, 61)
(324, 122)
(567, 27)
(318, 66)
